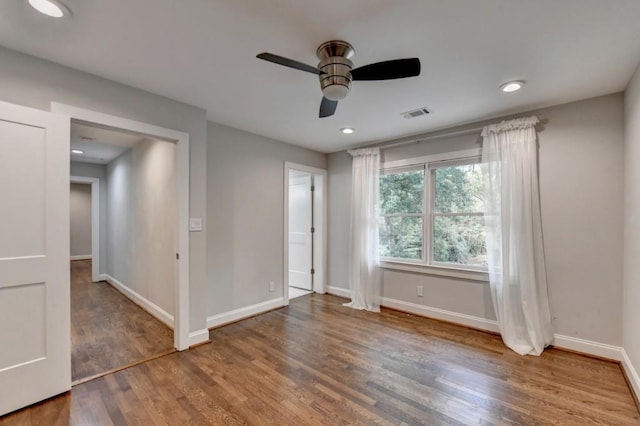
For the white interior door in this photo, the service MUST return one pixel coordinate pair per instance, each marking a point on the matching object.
(300, 222)
(35, 355)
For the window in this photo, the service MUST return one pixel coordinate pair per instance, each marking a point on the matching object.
(457, 218)
(432, 214)
(402, 208)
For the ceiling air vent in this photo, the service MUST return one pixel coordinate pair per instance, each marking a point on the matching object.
(416, 113)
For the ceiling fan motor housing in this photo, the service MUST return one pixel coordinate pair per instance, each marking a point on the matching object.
(336, 67)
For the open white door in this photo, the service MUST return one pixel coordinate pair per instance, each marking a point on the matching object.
(35, 354)
(300, 222)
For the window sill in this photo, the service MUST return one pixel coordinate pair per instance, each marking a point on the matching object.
(435, 270)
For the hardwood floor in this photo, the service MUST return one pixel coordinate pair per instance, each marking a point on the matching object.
(107, 329)
(316, 362)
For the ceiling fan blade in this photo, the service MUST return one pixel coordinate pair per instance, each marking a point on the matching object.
(288, 63)
(327, 107)
(388, 70)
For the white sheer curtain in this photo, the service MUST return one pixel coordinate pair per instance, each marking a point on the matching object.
(364, 258)
(514, 235)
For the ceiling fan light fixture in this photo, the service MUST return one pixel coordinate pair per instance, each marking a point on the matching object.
(512, 86)
(335, 92)
(50, 8)
(347, 130)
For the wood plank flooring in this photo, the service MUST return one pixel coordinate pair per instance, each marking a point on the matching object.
(317, 362)
(107, 329)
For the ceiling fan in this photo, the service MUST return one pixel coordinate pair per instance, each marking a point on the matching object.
(336, 72)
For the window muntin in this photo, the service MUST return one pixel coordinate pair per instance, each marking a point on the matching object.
(449, 228)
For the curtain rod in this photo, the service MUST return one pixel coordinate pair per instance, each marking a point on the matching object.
(417, 140)
(428, 138)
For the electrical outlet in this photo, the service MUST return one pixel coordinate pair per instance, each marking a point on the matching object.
(420, 291)
(272, 286)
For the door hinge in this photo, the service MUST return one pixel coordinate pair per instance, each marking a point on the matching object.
(313, 188)
(178, 256)
(313, 229)
(313, 271)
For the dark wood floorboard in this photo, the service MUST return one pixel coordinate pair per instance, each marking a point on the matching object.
(107, 329)
(317, 362)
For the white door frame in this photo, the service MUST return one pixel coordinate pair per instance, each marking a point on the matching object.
(320, 223)
(85, 116)
(95, 223)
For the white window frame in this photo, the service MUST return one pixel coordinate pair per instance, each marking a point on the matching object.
(426, 265)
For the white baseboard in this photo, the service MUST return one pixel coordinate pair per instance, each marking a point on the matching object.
(103, 277)
(441, 314)
(155, 310)
(245, 312)
(631, 373)
(428, 311)
(339, 291)
(197, 337)
(590, 347)
(82, 257)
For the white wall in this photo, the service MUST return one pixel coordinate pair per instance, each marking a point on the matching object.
(631, 312)
(80, 219)
(141, 221)
(100, 172)
(35, 82)
(245, 215)
(581, 176)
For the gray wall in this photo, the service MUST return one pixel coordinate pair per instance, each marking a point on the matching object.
(99, 172)
(80, 218)
(581, 188)
(34, 82)
(631, 313)
(141, 221)
(245, 199)
(581, 176)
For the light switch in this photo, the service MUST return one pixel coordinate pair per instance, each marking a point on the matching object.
(195, 224)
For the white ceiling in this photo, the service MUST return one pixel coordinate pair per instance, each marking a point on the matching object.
(202, 52)
(100, 146)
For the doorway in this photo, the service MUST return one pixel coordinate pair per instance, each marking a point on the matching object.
(304, 230)
(79, 237)
(81, 241)
(301, 230)
(124, 315)
(181, 338)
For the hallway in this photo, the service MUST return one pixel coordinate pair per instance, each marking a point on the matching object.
(108, 330)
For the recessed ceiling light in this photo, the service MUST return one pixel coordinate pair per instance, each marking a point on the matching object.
(347, 130)
(512, 86)
(51, 8)
(77, 151)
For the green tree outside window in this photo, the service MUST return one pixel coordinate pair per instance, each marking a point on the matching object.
(455, 215)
